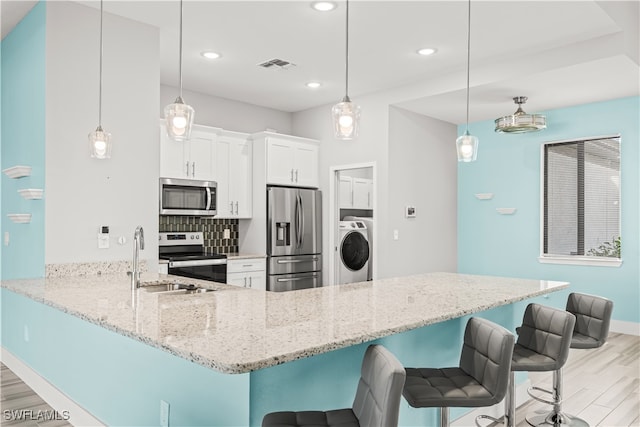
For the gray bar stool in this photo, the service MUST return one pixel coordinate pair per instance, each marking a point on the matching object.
(593, 316)
(377, 401)
(543, 345)
(481, 379)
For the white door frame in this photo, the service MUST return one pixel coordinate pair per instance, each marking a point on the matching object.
(334, 217)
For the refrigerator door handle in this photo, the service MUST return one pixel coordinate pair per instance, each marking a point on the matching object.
(301, 221)
(295, 279)
(296, 225)
(293, 261)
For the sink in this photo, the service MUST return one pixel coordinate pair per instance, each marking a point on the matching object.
(176, 287)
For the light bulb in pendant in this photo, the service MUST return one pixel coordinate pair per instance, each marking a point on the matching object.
(467, 147)
(100, 144)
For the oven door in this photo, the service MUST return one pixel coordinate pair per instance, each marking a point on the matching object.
(187, 197)
(214, 270)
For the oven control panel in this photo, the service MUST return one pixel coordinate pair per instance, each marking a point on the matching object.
(181, 238)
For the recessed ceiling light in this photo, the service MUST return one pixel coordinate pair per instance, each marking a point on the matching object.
(323, 6)
(210, 54)
(427, 51)
(314, 85)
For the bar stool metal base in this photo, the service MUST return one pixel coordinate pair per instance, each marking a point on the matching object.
(546, 418)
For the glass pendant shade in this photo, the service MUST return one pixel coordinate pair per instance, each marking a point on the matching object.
(346, 119)
(179, 120)
(467, 147)
(100, 144)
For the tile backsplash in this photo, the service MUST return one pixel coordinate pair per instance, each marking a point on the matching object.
(212, 228)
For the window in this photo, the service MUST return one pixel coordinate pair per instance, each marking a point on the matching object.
(581, 201)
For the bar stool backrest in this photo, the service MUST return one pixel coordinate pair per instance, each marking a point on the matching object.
(547, 331)
(486, 356)
(593, 316)
(377, 401)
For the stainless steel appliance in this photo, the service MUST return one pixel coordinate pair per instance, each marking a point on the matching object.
(294, 238)
(187, 197)
(187, 257)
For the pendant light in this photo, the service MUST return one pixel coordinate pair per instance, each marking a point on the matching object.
(346, 114)
(100, 140)
(521, 122)
(179, 116)
(467, 144)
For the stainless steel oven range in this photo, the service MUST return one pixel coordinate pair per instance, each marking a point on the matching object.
(187, 257)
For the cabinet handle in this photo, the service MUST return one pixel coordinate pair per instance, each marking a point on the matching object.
(193, 169)
(296, 175)
(245, 282)
(187, 169)
(250, 281)
(231, 208)
(292, 176)
(368, 199)
(236, 208)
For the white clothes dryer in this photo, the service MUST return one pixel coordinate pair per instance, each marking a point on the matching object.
(368, 222)
(354, 252)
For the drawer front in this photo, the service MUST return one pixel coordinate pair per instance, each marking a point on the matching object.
(247, 264)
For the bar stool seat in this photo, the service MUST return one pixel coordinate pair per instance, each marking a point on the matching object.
(481, 379)
(376, 404)
(593, 317)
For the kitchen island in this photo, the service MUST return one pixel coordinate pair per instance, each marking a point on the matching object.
(276, 345)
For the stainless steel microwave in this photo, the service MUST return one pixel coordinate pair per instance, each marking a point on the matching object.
(187, 197)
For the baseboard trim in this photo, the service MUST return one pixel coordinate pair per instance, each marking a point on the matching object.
(496, 411)
(623, 327)
(60, 402)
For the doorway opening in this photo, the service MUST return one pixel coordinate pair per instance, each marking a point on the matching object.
(352, 207)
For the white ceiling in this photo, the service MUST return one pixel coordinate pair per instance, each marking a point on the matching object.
(558, 53)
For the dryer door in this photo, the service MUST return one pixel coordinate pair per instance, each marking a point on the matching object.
(354, 251)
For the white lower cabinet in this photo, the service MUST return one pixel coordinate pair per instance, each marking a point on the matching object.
(247, 273)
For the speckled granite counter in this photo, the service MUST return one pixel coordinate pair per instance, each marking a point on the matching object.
(236, 330)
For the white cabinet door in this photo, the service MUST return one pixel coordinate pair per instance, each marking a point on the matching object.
(240, 177)
(292, 163)
(280, 168)
(305, 164)
(172, 162)
(201, 146)
(232, 171)
(362, 193)
(257, 280)
(247, 272)
(345, 192)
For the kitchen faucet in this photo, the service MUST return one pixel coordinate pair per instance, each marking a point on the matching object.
(138, 244)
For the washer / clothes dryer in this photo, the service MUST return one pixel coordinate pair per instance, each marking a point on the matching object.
(368, 222)
(354, 252)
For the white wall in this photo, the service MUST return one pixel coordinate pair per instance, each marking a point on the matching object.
(423, 174)
(84, 193)
(228, 114)
(378, 142)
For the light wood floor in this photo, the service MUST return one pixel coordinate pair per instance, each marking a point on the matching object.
(601, 386)
(15, 396)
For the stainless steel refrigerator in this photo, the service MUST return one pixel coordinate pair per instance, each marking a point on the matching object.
(294, 238)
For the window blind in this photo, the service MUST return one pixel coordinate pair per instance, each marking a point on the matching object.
(582, 198)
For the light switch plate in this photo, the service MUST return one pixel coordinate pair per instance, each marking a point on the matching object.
(226, 234)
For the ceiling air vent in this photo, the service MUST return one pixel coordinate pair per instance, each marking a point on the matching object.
(277, 64)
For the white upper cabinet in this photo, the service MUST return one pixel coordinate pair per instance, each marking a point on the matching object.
(362, 193)
(345, 192)
(192, 159)
(233, 173)
(355, 193)
(292, 161)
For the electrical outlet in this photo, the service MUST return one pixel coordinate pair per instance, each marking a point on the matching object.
(26, 333)
(226, 234)
(396, 235)
(6, 238)
(164, 414)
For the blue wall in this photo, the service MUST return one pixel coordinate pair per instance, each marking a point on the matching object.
(117, 379)
(509, 167)
(23, 142)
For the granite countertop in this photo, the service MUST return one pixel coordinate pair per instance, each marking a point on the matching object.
(237, 330)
